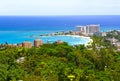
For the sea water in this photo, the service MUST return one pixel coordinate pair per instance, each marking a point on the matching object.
(15, 37)
(53, 23)
(16, 29)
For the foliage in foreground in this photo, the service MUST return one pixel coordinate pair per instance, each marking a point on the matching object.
(53, 62)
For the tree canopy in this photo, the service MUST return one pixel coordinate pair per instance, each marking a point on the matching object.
(56, 62)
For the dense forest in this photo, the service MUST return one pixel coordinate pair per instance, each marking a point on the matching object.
(61, 62)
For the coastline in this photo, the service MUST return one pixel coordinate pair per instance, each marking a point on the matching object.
(15, 37)
(90, 41)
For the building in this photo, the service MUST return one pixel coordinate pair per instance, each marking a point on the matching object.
(19, 45)
(38, 42)
(118, 46)
(113, 40)
(27, 44)
(82, 29)
(100, 34)
(104, 34)
(89, 29)
(59, 42)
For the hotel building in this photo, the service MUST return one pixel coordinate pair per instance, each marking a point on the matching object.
(38, 42)
(89, 29)
(92, 28)
(81, 29)
(27, 44)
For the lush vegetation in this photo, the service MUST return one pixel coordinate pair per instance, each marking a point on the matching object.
(53, 62)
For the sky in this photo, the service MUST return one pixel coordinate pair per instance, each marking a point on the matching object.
(59, 7)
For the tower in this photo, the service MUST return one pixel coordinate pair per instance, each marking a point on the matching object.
(38, 42)
(27, 44)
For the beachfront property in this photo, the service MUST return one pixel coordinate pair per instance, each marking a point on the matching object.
(92, 28)
(88, 29)
(38, 42)
(81, 29)
(27, 44)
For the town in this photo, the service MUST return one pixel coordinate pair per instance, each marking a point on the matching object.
(39, 61)
(85, 31)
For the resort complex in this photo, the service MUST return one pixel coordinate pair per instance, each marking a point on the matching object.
(62, 62)
(88, 29)
(82, 32)
(38, 60)
(60, 40)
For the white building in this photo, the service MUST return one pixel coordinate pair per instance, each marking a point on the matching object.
(89, 29)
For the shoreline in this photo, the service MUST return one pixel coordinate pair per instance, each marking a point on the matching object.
(33, 36)
(88, 39)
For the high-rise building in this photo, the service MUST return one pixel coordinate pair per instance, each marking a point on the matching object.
(81, 29)
(27, 44)
(92, 28)
(38, 42)
(89, 29)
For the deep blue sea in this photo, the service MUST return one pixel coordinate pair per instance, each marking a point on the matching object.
(16, 29)
(47, 23)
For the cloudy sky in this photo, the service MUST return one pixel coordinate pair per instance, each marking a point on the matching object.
(59, 7)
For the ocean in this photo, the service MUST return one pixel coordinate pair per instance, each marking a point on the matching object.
(52, 23)
(16, 29)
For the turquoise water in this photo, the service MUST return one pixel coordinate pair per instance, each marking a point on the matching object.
(16, 29)
(14, 37)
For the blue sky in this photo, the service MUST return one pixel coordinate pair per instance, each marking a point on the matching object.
(59, 7)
